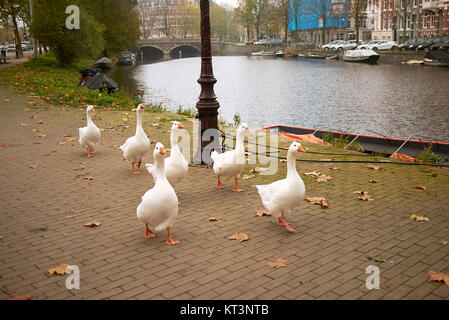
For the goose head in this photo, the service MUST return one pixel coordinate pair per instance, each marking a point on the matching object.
(140, 108)
(243, 129)
(296, 147)
(176, 126)
(159, 151)
(90, 109)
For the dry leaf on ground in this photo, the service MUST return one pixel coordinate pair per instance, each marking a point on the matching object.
(373, 167)
(324, 178)
(7, 100)
(318, 200)
(40, 122)
(421, 187)
(59, 269)
(6, 145)
(88, 178)
(33, 166)
(366, 197)
(335, 168)
(419, 218)
(443, 242)
(62, 142)
(258, 169)
(93, 224)
(239, 236)
(372, 181)
(21, 124)
(283, 160)
(313, 174)
(248, 176)
(360, 192)
(213, 219)
(68, 135)
(277, 263)
(261, 213)
(438, 276)
(24, 297)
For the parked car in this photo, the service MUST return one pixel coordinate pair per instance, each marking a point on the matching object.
(365, 45)
(276, 43)
(437, 42)
(331, 45)
(250, 42)
(416, 44)
(347, 45)
(404, 46)
(11, 48)
(383, 45)
(444, 46)
(263, 42)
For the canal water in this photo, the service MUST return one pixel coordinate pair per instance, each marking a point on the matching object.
(390, 100)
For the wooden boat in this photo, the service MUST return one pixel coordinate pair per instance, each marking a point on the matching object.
(263, 53)
(279, 53)
(362, 55)
(388, 146)
(316, 55)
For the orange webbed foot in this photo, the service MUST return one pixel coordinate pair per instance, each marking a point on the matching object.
(220, 186)
(172, 242)
(236, 189)
(149, 234)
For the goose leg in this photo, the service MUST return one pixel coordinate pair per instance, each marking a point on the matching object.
(170, 241)
(134, 169)
(148, 233)
(219, 185)
(282, 222)
(236, 188)
(140, 162)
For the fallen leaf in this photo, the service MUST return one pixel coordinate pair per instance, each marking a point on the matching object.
(277, 263)
(335, 168)
(360, 192)
(33, 117)
(324, 178)
(62, 142)
(419, 218)
(88, 178)
(248, 176)
(21, 124)
(34, 166)
(421, 187)
(30, 102)
(283, 160)
(438, 276)
(40, 135)
(68, 135)
(40, 122)
(317, 200)
(7, 100)
(261, 213)
(125, 119)
(258, 169)
(59, 269)
(24, 297)
(372, 181)
(443, 242)
(81, 167)
(313, 174)
(213, 219)
(373, 167)
(239, 236)
(92, 224)
(366, 197)
(6, 145)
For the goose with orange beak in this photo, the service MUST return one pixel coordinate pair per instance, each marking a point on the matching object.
(136, 146)
(230, 164)
(89, 135)
(159, 206)
(282, 196)
(176, 166)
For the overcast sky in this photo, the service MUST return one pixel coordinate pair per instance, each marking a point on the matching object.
(229, 3)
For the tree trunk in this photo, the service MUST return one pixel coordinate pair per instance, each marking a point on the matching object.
(324, 33)
(19, 51)
(357, 24)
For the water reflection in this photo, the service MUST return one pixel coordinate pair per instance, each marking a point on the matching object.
(393, 100)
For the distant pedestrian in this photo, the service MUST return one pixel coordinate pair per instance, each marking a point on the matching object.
(3, 55)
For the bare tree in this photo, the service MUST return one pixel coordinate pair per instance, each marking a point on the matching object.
(357, 9)
(244, 13)
(404, 10)
(282, 8)
(296, 13)
(260, 13)
(321, 10)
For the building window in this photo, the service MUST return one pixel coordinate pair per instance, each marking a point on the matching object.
(432, 20)
(424, 23)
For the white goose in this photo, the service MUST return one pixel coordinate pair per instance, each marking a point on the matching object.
(176, 166)
(139, 144)
(282, 196)
(89, 135)
(231, 163)
(159, 206)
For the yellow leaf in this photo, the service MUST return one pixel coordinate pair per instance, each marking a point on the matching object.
(277, 263)
(247, 177)
(419, 218)
(92, 224)
(313, 174)
(324, 178)
(213, 219)
(58, 270)
(34, 166)
(21, 124)
(438, 276)
(421, 187)
(318, 200)
(239, 236)
(261, 213)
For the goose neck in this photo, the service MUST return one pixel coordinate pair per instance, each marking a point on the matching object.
(291, 165)
(139, 128)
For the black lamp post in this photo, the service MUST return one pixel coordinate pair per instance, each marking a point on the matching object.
(207, 105)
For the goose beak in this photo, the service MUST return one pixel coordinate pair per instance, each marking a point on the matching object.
(180, 126)
(162, 151)
(300, 148)
(93, 109)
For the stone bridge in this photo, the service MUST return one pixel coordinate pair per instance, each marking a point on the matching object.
(147, 49)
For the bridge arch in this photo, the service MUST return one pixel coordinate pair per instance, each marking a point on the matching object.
(184, 50)
(151, 52)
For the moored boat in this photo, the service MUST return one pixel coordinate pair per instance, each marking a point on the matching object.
(380, 144)
(436, 59)
(279, 53)
(362, 55)
(263, 53)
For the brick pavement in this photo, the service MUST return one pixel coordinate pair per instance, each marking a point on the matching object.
(43, 211)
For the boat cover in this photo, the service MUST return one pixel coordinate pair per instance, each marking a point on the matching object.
(305, 137)
(361, 53)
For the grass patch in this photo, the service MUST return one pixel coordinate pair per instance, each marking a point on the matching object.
(45, 78)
